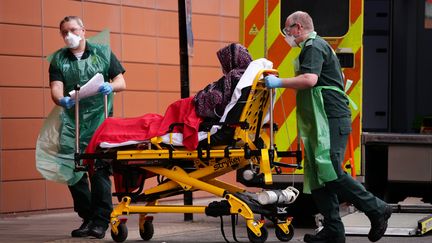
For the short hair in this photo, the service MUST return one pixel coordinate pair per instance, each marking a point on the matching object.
(303, 18)
(69, 18)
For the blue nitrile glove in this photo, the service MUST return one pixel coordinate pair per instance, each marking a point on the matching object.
(272, 81)
(105, 88)
(67, 102)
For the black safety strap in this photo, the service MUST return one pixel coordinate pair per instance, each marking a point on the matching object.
(234, 218)
(222, 229)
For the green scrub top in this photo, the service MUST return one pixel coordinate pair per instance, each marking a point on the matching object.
(319, 58)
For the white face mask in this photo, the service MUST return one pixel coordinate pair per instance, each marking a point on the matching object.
(72, 40)
(290, 39)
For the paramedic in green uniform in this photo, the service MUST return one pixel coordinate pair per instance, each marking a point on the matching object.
(75, 64)
(324, 121)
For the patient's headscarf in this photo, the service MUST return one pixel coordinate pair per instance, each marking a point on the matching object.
(211, 102)
(234, 58)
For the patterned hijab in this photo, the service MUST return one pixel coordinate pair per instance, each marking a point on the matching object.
(234, 58)
(212, 100)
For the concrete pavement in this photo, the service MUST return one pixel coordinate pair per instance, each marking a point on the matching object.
(169, 228)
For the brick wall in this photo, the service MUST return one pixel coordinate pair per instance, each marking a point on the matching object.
(144, 36)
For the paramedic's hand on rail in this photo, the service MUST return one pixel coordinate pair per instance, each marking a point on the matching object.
(105, 88)
(67, 102)
(272, 81)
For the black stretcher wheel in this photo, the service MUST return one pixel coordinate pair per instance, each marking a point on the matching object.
(257, 239)
(282, 236)
(148, 231)
(122, 233)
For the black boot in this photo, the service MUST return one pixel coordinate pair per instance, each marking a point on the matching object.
(379, 224)
(83, 230)
(97, 231)
(324, 237)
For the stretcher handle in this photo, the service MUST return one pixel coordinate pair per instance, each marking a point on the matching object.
(106, 106)
(77, 122)
(271, 91)
(78, 166)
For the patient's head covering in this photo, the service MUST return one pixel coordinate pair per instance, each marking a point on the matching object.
(212, 100)
(233, 57)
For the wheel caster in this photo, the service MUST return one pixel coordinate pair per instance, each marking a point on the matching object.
(122, 233)
(282, 236)
(147, 230)
(257, 239)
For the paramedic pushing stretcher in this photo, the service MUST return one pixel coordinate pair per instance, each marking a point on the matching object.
(76, 64)
(324, 121)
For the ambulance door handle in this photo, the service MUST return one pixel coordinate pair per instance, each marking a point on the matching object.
(381, 50)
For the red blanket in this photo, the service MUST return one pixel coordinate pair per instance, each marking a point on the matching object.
(117, 130)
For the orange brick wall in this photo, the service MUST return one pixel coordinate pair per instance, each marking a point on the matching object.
(144, 36)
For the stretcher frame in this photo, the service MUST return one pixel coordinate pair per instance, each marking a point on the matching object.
(207, 165)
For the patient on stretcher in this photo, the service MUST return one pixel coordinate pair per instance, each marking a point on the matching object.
(207, 105)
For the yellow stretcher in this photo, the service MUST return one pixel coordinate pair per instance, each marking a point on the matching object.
(184, 170)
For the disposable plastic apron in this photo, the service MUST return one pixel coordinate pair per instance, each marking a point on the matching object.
(314, 131)
(56, 143)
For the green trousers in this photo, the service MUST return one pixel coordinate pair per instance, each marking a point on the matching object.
(95, 204)
(344, 187)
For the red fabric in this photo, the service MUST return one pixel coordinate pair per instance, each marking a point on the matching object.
(117, 130)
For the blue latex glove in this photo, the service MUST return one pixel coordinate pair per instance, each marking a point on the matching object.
(105, 88)
(272, 81)
(67, 102)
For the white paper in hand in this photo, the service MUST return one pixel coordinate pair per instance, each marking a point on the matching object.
(90, 88)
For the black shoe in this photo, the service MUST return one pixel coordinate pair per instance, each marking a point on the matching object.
(323, 237)
(97, 231)
(379, 225)
(83, 230)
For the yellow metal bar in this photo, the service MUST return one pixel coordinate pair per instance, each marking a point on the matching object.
(265, 167)
(176, 174)
(208, 172)
(229, 187)
(167, 209)
(165, 154)
(240, 207)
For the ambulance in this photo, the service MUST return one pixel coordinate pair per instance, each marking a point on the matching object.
(341, 24)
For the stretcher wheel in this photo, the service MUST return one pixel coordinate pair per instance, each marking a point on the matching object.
(148, 230)
(257, 239)
(282, 236)
(122, 233)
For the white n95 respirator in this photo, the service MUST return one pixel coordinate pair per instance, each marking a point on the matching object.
(290, 39)
(72, 40)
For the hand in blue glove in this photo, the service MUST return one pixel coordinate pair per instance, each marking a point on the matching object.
(272, 81)
(105, 88)
(67, 102)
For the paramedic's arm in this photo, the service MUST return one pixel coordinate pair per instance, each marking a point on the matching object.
(302, 81)
(56, 84)
(56, 91)
(118, 83)
(115, 73)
